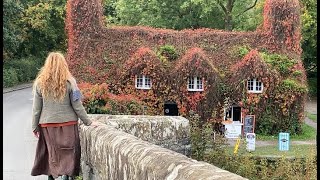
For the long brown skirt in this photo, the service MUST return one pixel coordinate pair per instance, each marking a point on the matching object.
(58, 152)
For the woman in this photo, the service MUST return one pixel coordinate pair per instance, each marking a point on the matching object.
(56, 109)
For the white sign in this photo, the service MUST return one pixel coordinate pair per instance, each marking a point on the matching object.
(251, 141)
(233, 130)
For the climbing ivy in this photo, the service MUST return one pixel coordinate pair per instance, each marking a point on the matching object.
(116, 55)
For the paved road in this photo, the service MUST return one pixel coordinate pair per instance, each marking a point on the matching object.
(18, 142)
(311, 107)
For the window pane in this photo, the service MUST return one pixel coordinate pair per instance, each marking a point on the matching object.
(199, 83)
(250, 85)
(258, 86)
(147, 82)
(190, 83)
(139, 82)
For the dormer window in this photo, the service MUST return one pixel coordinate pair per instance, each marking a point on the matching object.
(143, 82)
(195, 84)
(255, 86)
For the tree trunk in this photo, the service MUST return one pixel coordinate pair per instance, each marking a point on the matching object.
(228, 22)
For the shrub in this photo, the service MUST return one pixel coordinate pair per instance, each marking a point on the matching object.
(297, 73)
(10, 77)
(293, 86)
(98, 100)
(242, 51)
(26, 68)
(312, 86)
(280, 62)
(168, 52)
(266, 124)
(123, 104)
(215, 151)
(271, 122)
(197, 143)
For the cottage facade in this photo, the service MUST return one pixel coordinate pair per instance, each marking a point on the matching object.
(221, 75)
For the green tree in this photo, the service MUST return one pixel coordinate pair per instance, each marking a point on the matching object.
(182, 14)
(249, 20)
(178, 14)
(43, 24)
(309, 36)
(234, 8)
(12, 34)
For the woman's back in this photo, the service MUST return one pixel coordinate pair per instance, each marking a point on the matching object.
(57, 98)
(56, 108)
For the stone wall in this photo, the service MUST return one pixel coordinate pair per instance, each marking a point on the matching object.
(109, 153)
(171, 132)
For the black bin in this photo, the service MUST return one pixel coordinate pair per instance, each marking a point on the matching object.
(171, 109)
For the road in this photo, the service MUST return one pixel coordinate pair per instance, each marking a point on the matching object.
(19, 144)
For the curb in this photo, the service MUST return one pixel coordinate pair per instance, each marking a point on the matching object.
(16, 88)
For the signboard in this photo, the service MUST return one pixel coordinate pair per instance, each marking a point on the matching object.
(284, 141)
(249, 123)
(233, 130)
(251, 141)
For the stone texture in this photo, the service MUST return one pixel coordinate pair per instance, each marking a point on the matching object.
(111, 154)
(171, 132)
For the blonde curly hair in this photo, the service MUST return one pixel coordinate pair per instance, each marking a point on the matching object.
(52, 77)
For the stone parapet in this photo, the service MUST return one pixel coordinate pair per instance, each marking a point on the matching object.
(171, 132)
(111, 154)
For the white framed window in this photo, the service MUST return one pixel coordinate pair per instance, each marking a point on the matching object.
(195, 84)
(255, 86)
(143, 82)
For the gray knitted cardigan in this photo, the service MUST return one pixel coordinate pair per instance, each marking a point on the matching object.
(69, 109)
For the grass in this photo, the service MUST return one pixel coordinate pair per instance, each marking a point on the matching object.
(308, 133)
(294, 150)
(78, 178)
(311, 116)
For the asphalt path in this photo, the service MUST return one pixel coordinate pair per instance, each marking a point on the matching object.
(19, 144)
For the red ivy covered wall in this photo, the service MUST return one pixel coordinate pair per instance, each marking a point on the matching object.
(115, 55)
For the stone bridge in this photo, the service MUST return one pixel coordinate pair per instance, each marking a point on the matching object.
(142, 148)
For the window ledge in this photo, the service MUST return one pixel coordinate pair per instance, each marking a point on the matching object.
(255, 92)
(145, 88)
(195, 90)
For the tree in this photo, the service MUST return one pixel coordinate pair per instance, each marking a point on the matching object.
(182, 14)
(250, 20)
(229, 13)
(11, 31)
(309, 36)
(43, 24)
(179, 14)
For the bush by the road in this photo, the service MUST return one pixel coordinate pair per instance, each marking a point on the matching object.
(10, 77)
(312, 83)
(26, 68)
(20, 70)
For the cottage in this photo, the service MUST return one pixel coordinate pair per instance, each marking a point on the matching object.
(220, 75)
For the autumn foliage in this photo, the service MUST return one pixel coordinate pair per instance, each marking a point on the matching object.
(282, 24)
(116, 55)
(98, 100)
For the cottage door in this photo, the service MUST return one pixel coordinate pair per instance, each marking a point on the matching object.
(236, 113)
